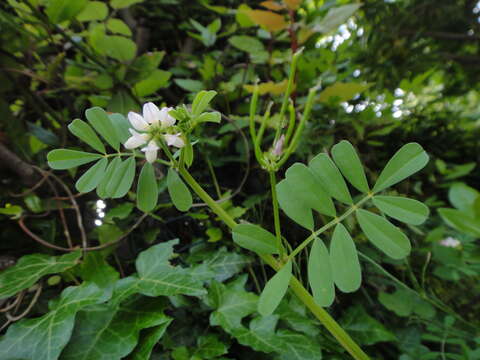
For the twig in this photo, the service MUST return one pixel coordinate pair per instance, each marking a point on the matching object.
(12, 318)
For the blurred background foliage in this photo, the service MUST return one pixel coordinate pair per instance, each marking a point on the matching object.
(390, 71)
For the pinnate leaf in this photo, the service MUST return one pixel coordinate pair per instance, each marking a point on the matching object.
(350, 165)
(84, 132)
(179, 193)
(147, 190)
(61, 159)
(100, 121)
(92, 177)
(407, 210)
(384, 235)
(255, 238)
(202, 100)
(320, 274)
(275, 290)
(406, 161)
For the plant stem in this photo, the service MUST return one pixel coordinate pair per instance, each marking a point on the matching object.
(327, 226)
(276, 214)
(324, 317)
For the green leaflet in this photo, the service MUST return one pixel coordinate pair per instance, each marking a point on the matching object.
(201, 101)
(121, 179)
(209, 346)
(349, 163)
(30, 268)
(406, 161)
(84, 132)
(320, 274)
(255, 238)
(330, 178)
(102, 187)
(179, 192)
(156, 276)
(61, 159)
(100, 121)
(275, 290)
(92, 177)
(384, 235)
(59, 10)
(108, 332)
(300, 192)
(43, 338)
(461, 221)
(346, 270)
(403, 209)
(121, 124)
(463, 197)
(147, 189)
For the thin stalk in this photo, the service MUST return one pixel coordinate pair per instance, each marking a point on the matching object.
(276, 214)
(324, 317)
(253, 112)
(327, 226)
(291, 123)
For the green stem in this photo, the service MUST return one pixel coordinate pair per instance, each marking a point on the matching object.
(324, 317)
(276, 214)
(327, 226)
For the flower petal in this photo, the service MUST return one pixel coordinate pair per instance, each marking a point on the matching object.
(151, 113)
(174, 140)
(166, 119)
(136, 139)
(151, 151)
(137, 121)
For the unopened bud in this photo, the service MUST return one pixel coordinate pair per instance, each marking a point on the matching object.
(278, 146)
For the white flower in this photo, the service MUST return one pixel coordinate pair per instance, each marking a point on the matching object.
(174, 140)
(136, 139)
(151, 113)
(165, 119)
(450, 242)
(137, 121)
(151, 151)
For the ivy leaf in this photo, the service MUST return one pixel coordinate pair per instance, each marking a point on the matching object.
(330, 178)
(384, 235)
(320, 274)
(108, 332)
(255, 238)
(363, 328)
(406, 161)
(92, 177)
(148, 339)
(403, 209)
(45, 337)
(179, 192)
(260, 335)
(61, 159)
(100, 121)
(225, 264)
(232, 303)
(275, 290)
(349, 163)
(346, 270)
(30, 268)
(298, 346)
(84, 132)
(209, 347)
(156, 276)
(147, 190)
(300, 192)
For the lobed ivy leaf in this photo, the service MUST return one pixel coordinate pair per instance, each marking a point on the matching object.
(320, 274)
(148, 339)
(330, 178)
(61, 159)
(346, 270)
(384, 235)
(109, 331)
(84, 132)
(44, 338)
(407, 210)
(275, 290)
(255, 238)
(30, 268)
(179, 192)
(409, 159)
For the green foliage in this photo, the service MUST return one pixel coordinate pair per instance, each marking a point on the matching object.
(254, 238)
(275, 290)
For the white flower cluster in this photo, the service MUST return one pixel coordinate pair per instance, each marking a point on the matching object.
(450, 242)
(154, 122)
